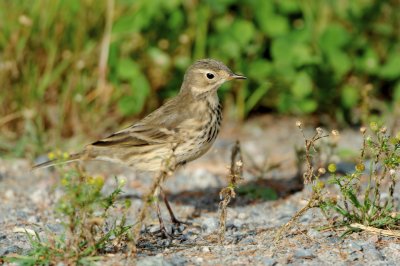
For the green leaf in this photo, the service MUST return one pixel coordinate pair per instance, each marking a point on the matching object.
(302, 86)
(259, 69)
(350, 96)
(353, 199)
(391, 69)
(274, 25)
(127, 69)
(243, 32)
(340, 62)
(288, 6)
(369, 62)
(308, 106)
(334, 37)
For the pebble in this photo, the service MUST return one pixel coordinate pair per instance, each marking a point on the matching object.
(205, 250)
(9, 194)
(269, 261)
(238, 223)
(303, 254)
(153, 261)
(209, 225)
(242, 216)
(10, 250)
(354, 247)
(371, 253)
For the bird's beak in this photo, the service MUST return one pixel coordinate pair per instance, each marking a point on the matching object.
(236, 76)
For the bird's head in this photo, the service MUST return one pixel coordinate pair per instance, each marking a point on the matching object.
(206, 76)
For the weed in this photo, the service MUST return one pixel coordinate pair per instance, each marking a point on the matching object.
(360, 203)
(89, 231)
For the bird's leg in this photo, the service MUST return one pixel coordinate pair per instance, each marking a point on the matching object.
(174, 220)
(163, 230)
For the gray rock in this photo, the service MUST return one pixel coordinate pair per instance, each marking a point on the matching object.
(371, 253)
(269, 261)
(209, 225)
(238, 223)
(178, 260)
(153, 261)
(303, 254)
(10, 250)
(248, 241)
(354, 246)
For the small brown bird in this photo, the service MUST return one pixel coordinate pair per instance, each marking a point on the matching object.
(186, 125)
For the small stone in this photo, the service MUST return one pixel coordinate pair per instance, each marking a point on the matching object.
(209, 225)
(303, 254)
(153, 261)
(269, 261)
(9, 194)
(153, 228)
(248, 241)
(242, 216)
(237, 223)
(371, 253)
(198, 260)
(354, 247)
(205, 250)
(10, 250)
(33, 219)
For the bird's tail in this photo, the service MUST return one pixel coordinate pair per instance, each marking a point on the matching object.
(71, 158)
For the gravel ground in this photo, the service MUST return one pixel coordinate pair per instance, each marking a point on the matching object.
(27, 199)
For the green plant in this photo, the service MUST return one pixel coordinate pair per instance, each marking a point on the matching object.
(361, 191)
(360, 204)
(89, 229)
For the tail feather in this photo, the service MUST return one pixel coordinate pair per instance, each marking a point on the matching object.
(71, 158)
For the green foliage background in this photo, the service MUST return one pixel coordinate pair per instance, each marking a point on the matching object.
(301, 57)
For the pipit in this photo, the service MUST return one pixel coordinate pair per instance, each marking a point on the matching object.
(188, 123)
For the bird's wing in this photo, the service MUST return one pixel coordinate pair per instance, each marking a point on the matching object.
(159, 127)
(140, 135)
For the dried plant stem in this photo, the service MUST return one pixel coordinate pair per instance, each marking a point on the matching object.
(228, 193)
(376, 230)
(312, 203)
(104, 53)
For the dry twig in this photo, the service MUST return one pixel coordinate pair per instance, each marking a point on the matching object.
(228, 193)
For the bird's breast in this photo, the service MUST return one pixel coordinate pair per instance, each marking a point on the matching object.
(202, 134)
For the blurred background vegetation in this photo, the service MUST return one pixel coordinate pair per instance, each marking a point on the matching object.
(84, 67)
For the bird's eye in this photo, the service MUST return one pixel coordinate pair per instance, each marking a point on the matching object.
(210, 75)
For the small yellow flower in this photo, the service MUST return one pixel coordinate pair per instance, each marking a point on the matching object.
(65, 155)
(90, 180)
(332, 167)
(320, 185)
(99, 181)
(51, 155)
(373, 126)
(64, 182)
(360, 167)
